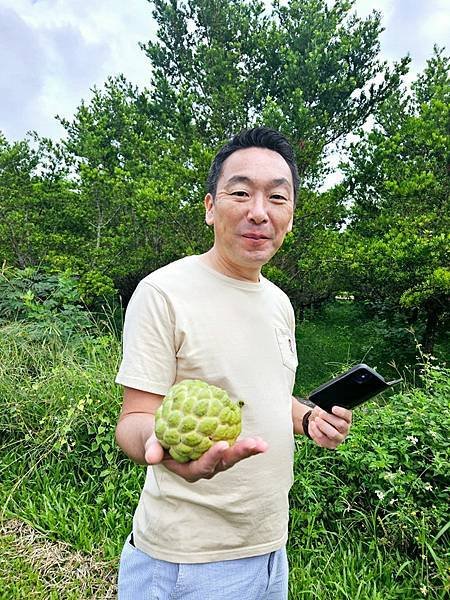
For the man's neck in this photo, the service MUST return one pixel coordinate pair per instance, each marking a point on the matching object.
(221, 265)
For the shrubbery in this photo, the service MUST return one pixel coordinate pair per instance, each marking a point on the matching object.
(60, 467)
(50, 303)
(396, 462)
(389, 480)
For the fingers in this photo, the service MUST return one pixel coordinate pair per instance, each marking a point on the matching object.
(203, 468)
(154, 452)
(329, 430)
(219, 457)
(242, 449)
(208, 464)
(343, 413)
(324, 435)
(320, 438)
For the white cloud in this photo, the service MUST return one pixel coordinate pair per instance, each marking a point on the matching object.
(436, 27)
(21, 78)
(411, 27)
(365, 7)
(54, 51)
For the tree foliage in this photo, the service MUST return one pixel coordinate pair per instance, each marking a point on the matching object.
(33, 190)
(398, 178)
(305, 68)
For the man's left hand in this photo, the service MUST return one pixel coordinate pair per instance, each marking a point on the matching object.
(329, 430)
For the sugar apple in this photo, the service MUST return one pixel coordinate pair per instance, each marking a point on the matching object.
(193, 416)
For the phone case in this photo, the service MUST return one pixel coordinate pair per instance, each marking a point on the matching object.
(350, 389)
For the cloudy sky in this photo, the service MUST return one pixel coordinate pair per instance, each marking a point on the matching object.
(53, 51)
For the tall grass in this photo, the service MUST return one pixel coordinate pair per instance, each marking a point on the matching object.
(60, 467)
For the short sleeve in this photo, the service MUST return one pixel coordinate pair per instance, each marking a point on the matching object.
(149, 358)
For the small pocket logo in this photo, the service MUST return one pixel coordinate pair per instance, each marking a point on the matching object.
(287, 348)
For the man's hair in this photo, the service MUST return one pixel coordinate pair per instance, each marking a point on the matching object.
(259, 137)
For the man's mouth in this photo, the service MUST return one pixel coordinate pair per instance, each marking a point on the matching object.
(255, 236)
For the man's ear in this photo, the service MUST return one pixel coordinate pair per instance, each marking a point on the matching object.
(209, 207)
(291, 223)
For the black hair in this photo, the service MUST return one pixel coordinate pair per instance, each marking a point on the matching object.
(260, 137)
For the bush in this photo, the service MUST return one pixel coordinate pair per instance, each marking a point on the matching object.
(395, 464)
(62, 471)
(50, 303)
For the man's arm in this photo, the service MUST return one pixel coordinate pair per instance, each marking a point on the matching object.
(136, 422)
(299, 409)
(327, 430)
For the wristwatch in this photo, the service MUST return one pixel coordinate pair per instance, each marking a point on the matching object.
(305, 423)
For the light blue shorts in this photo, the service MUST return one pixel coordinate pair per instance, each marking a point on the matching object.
(257, 578)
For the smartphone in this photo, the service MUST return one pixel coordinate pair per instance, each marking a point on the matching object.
(350, 389)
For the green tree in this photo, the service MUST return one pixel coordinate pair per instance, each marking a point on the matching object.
(398, 180)
(111, 202)
(34, 196)
(135, 185)
(306, 68)
(129, 190)
(17, 164)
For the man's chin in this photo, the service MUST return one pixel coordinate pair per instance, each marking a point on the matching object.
(255, 257)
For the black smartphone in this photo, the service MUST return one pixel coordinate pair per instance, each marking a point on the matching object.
(350, 389)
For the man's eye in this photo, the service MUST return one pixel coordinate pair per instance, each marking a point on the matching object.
(240, 193)
(278, 198)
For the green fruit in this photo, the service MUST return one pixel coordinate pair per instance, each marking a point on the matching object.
(195, 415)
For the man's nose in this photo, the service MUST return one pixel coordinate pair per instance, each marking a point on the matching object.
(257, 211)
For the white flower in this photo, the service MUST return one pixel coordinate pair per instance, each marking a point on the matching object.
(423, 589)
(380, 494)
(412, 439)
(428, 487)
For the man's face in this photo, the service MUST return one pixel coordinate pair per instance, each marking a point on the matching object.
(253, 209)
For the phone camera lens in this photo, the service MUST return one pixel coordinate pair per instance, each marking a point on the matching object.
(361, 377)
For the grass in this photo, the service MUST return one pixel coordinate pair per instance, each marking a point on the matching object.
(68, 494)
(347, 565)
(343, 334)
(334, 565)
(32, 566)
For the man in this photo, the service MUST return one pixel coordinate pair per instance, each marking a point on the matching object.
(216, 528)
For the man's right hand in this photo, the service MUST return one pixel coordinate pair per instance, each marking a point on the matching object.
(218, 458)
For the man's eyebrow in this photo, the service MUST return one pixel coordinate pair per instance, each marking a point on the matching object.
(239, 179)
(281, 181)
(245, 179)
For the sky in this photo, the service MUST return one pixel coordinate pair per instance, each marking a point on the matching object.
(52, 52)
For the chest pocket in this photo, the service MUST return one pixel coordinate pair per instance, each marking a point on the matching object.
(288, 351)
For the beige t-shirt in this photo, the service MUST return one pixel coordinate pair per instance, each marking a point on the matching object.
(187, 321)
